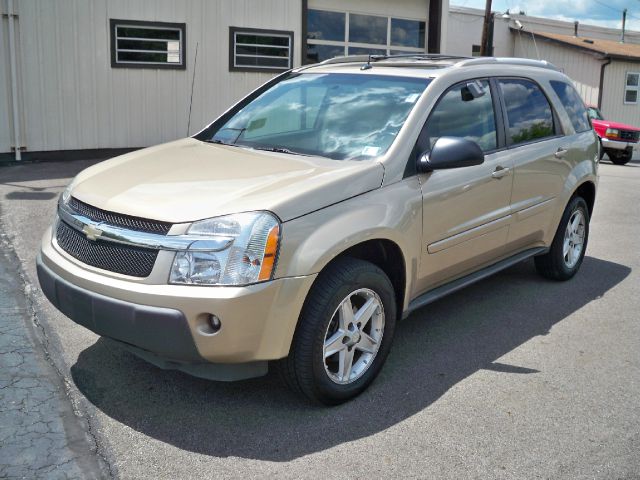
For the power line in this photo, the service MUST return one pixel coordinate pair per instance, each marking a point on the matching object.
(615, 9)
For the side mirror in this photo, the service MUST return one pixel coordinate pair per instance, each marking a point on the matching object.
(451, 152)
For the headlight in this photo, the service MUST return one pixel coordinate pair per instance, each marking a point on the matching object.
(250, 258)
(611, 132)
(66, 194)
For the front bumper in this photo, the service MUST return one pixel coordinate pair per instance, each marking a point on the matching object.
(618, 144)
(170, 322)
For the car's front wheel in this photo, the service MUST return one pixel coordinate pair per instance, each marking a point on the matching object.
(344, 332)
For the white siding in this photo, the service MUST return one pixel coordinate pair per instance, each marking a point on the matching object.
(613, 106)
(582, 68)
(465, 30)
(73, 99)
(6, 128)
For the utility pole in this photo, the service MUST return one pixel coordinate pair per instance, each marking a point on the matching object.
(485, 30)
(624, 21)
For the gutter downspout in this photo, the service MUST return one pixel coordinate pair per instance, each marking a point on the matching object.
(600, 88)
(14, 79)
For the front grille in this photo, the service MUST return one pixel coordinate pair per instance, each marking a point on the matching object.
(118, 219)
(630, 135)
(133, 261)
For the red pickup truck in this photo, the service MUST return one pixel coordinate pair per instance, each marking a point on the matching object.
(617, 139)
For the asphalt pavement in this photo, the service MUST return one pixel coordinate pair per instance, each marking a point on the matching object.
(513, 377)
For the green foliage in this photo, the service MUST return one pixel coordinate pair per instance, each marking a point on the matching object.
(537, 130)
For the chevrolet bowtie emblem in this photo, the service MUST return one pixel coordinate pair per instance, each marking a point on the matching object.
(91, 232)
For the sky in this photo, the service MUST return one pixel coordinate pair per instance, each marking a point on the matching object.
(606, 13)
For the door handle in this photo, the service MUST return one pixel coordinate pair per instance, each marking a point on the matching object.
(500, 172)
(560, 153)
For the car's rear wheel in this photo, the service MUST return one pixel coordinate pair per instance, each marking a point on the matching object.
(620, 157)
(344, 332)
(565, 256)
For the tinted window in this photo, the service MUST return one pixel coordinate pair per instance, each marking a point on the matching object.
(407, 33)
(366, 51)
(319, 53)
(144, 44)
(257, 50)
(367, 29)
(460, 114)
(573, 105)
(529, 114)
(325, 25)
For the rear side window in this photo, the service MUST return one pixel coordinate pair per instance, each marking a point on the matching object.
(461, 113)
(573, 105)
(529, 115)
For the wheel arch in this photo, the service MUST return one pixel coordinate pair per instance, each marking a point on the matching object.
(586, 190)
(386, 255)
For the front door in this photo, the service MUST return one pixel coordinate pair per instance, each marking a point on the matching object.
(466, 211)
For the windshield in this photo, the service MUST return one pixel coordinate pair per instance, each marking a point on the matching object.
(340, 116)
(595, 114)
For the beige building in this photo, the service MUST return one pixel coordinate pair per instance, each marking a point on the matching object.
(97, 74)
(604, 70)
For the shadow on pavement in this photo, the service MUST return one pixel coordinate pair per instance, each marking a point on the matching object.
(632, 163)
(30, 172)
(434, 349)
(35, 195)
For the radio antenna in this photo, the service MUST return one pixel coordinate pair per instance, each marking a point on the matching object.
(193, 81)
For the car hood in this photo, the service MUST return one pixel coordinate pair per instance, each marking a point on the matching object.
(190, 180)
(616, 125)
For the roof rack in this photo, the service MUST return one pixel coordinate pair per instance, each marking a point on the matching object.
(460, 61)
(377, 58)
(507, 61)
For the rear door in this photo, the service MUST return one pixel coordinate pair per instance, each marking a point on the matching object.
(538, 149)
(465, 210)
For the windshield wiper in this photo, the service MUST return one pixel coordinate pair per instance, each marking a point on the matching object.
(281, 150)
(220, 142)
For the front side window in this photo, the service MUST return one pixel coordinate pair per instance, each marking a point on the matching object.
(466, 111)
(339, 116)
(137, 44)
(573, 105)
(334, 34)
(632, 85)
(529, 114)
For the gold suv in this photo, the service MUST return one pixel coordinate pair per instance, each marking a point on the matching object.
(302, 224)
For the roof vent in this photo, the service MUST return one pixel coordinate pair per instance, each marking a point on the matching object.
(586, 40)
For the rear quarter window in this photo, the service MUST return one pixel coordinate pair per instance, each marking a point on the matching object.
(573, 105)
(529, 115)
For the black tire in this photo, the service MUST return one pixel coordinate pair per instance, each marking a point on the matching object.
(620, 157)
(304, 369)
(552, 265)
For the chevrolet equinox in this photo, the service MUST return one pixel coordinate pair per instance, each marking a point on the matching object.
(301, 225)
